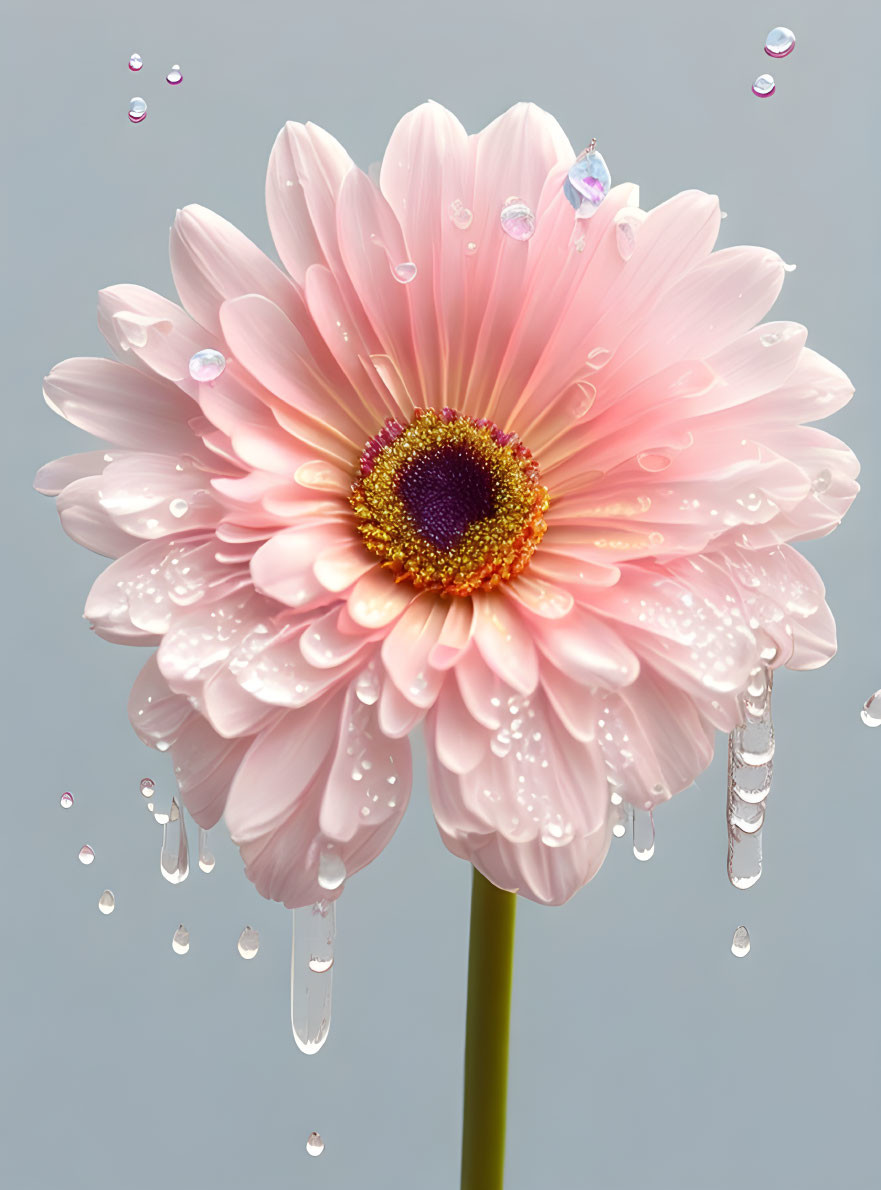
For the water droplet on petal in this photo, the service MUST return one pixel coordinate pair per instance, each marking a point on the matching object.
(174, 76)
(206, 365)
(66, 800)
(625, 239)
(314, 1145)
(86, 854)
(871, 712)
(135, 62)
(206, 856)
(180, 942)
(764, 86)
(740, 942)
(517, 219)
(460, 215)
(470, 247)
(404, 272)
(652, 460)
(178, 507)
(248, 943)
(779, 42)
(587, 183)
(106, 902)
(331, 870)
(137, 109)
(147, 786)
(822, 481)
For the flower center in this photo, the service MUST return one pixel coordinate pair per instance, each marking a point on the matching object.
(448, 502)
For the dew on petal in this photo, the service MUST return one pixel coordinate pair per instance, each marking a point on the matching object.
(460, 215)
(587, 183)
(314, 1144)
(66, 800)
(404, 272)
(764, 86)
(137, 109)
(871, 710)
(147, 786)
(470, 248)
(206, 365)
(331, 869)
(517, 219)
(106, 902)
(135, 62)
(625, 239)
(779, 42)
(248, 943)
(740, 942)
(178, 507)
(174, 76)
(180, 942)
(86, 854)
(822, 481)
(652, 460)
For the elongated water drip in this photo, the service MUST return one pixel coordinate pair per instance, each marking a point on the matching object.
(311, 974)
(643, 834)
(206, 855)
(174, 858)
(750, 766)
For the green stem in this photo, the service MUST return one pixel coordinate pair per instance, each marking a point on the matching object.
(490, 969)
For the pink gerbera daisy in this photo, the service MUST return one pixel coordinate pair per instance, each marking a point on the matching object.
(534, 490)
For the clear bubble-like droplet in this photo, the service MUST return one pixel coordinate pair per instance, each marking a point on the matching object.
(587, 183)
(460, 215)
(740, 942)
(314, 1144)
(137, 109)
(66, 800)
(331, 870)
(180, 942)
(405, 272)
(764, 86)
(871, 712)
(517, 219)
(147, 786)
(106, 902)
(86, 854)
(248, 943)
(135, 62)
(779, 42)
(174, 76)
(206, 365)
(206, 855)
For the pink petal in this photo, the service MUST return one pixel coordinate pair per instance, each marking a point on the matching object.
(283, 567)
(155, 331)
(85, 520)
(505, 642)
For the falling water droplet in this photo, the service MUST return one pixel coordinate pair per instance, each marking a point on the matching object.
(178, 507)
(86, 854)
(150, 807)
(740, 942)
(135, 62)
(643, 834)
(174, 858)
(587, 183)
(174, 76)
(750, 756)
(460, 215)
(248, 943)
(206, 365)
(314, 929)
(147, 786)
(789, 268)
(314, 1144)
(106, 902)
(764, 86)
(66, 800)
(137, 109)
(161, 817)
(779, 42)
(180, 942)
(404, 272)
(206, 856)
(871, 712)
(744, 857)
(517, 219)
(331, 869)
(619, 830)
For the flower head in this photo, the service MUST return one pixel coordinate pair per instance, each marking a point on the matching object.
(535, 490)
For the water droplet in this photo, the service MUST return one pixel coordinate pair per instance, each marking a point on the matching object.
(619, 830)
(206, 856)
(404, 272)
(653, 460)
(174, 76)
(150, 807)
(174, 858)
(871, 712)
(587, 183)
(643, 834)
(66, 800)
(86, 854)
(314, 929)
(331, 870)
(625, 239)
(367, 685)
(740, 942)
(206, 365)
(822, 481)
(517, 219)
(470, 247)
(180, 942)
(789, 268)
(248, 943)
(147, 786)
(137, 109)
(779, 42)
(135, 62)
(314, 1144)
(764, 86)
(106, 902)
(178, 507)
(460, 215)
(161, 817)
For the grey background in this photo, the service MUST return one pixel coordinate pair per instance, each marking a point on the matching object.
(643, 1053)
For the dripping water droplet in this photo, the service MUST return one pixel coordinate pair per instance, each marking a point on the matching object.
(312, 952)
(174, 76)
(106, 902)
(147, 786)
(314, 1144)
(206, 365)
(86, 854)
(871, 712)
(764, 86)
(517, 219)
(174, 858)
(779, 42)
(161, 817)
(206, 856)
(135, 62)
(404, 272)
(150, 807)
(137, 109)
(180, 942)
(331, 870)
(643, 834)
(66, 800)
(248, 943)
(740, 942)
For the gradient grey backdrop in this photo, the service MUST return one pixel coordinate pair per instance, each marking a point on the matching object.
(643, 1053)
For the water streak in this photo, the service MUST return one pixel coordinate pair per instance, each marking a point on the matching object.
(174, 858)
(750, 767)
(314, 930)
(206, 855)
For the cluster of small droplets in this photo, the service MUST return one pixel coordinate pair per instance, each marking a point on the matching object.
(750, 765)
(371, 769)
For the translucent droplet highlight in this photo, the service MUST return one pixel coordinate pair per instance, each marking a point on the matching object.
(405, 272)
(137, 109)
(643, 834)
(207, 365)
(764, 86)
(587, 183)
(460, 215)
(206, 855)
(106, 902)
(180, 941)
(135, 62)
(314, 1144)
(740, 942)
(174, 76)
(86, 854)
(331, 870)
(871, 710)
(248, 943)
(174, 858)
(750, 766)
(66, 800)
(517, 219)
(147, 786)
(780, 42)
(178, 507)
(314, 931)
